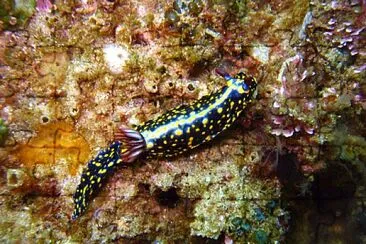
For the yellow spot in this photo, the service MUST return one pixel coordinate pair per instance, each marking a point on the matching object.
(174, 144)
(98, 164)
(211, 127)
(189, 130)
(198, 129)
(110, 164)
(102, 171)
(208, 138)
(87, 173)
(205, 121)
(149, 145)
(232, 104)
(165, 142)
(203, 132)
(241, 90)
(219, 110)
(238, 113)
(98, 180)
(179, 132)
(172, 136)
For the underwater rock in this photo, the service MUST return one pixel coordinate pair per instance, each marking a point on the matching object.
(73, 71)
(3, 132)
(16, 178)
(115, 56)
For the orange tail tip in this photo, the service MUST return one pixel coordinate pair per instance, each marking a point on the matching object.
(133, 143)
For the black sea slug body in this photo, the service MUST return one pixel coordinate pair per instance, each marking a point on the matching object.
(169, 135)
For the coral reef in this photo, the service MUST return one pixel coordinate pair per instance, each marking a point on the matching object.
(72, 71)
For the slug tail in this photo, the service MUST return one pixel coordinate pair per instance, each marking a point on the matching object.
(126, 148)
(95, 175)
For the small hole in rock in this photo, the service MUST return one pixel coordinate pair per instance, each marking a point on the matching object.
(13, 179)
(191, 87)
(144, 188)
(162, 70)
(45, 119)
(168, 198)
(171, 84)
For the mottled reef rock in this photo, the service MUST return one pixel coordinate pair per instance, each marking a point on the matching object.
(293, 167)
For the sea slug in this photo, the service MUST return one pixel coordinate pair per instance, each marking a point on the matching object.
(169, 135)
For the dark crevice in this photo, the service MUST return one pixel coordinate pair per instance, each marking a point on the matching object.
(167, 198)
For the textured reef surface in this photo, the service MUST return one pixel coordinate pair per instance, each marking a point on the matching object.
(291, 169)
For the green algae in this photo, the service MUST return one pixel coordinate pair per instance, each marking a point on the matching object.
(16, 13)
(261, 237)
(3, 132)
(239, 8)
(351, 148)
(225, 191)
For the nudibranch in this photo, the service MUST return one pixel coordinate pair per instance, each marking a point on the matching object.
(171, 134)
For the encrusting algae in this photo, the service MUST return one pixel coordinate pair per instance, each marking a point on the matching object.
(72, 72)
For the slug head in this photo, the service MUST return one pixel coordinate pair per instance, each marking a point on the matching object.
(241, 82)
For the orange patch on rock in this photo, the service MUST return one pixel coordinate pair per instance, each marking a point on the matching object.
(55, 143)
